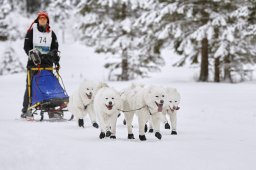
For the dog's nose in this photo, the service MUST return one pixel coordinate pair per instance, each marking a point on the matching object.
(110, 103)
(161, 101)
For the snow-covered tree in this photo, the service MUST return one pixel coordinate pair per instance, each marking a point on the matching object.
(5, 8)
(33, 6)
(109, 26)
(10, 63)
(9, 25)
(61, 11)
(199, 30)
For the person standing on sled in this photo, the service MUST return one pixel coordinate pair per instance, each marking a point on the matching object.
(42, 40)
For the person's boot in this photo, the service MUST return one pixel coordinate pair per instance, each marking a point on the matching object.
(27, 115)
(24, 113)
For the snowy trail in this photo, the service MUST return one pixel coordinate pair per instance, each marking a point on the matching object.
(216, 127)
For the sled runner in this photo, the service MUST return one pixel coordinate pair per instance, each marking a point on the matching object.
(46, 94)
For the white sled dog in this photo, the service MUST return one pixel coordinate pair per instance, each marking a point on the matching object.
(173, 100)
(106, 104)
(144, 102)
(80, 102)
(170, 110)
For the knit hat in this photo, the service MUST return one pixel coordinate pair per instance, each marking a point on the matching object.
(39, 14)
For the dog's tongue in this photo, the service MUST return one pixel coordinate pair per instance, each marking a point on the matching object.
(160, 108)
(89, 96)
(176, 108)
(109, 107)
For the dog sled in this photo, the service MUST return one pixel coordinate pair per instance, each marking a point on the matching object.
(46, 94)
(46, 91)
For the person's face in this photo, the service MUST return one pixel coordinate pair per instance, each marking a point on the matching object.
(42, 21)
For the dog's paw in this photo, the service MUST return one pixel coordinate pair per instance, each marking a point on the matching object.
(167, 126)
(112, 137)
(146, 128)
(108, 133)
(158, 135)
(81, 123)
(102, 135)
(174, 132)
(142, 137)
(95, 125)
(131, 136)
(151, 131)
(124, 122)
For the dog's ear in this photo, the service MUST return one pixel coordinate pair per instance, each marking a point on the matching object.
(178, 94)
(149, 89)
(101, 85)
(171, 90)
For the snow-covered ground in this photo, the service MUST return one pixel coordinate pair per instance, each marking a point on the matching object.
(216, 125)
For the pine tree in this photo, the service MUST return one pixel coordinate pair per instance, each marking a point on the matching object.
(10, 63)
(61, 11)
(5, 8)
(110, 27)
(209, 29)
(33, 6)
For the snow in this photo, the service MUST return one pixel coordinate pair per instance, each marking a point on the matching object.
(216, 124)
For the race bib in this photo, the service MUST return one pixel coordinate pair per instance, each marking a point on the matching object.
(42, 40)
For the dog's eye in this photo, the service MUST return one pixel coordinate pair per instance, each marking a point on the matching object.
(162, 95)
(175, 101)
(113, 98)
(87, 89)
(106, 98)
(170, 101)
(157, 96)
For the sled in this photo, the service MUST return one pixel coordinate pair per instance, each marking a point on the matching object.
(46, 93)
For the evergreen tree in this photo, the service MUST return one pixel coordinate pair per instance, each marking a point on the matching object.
(33, 6)
(110, 27)
(61, 11)
(10, 63)
(5, 8)
(209, 29)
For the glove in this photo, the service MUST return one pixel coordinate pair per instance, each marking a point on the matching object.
(55, 58)
(34, 55)
(57, 66)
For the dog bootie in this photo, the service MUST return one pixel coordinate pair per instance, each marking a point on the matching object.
(102, 135)
(108, 133)
(142, 137)
(95, 125)
(112, 137)
(131, 136)
(167, 126)
(158, 135)
(81, 123)
(146, 128)
(174, 132)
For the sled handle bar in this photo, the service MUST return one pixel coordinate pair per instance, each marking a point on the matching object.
(44, 68)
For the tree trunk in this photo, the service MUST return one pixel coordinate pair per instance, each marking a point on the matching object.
(204, 61)
(227, 74)
(217, 69)
(124, 66)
